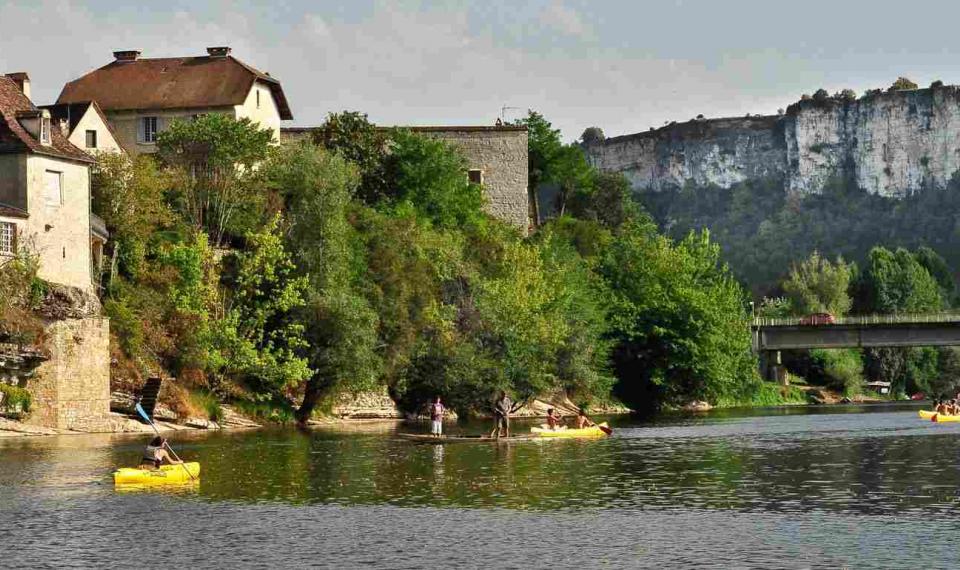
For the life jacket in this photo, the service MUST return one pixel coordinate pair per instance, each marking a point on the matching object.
(150, 455)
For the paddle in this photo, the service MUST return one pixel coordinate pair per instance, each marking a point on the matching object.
(143, 414)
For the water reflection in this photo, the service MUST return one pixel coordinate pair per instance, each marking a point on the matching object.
(719, 487)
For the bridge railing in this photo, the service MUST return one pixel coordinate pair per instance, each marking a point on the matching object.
(862, 320)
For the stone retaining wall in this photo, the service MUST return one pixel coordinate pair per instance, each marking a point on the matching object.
(71, 390)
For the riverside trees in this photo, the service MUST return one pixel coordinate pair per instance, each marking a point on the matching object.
(349, 267)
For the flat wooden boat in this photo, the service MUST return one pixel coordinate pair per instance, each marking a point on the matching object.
(427, 438)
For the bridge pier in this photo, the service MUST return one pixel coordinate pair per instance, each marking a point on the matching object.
(771, 367)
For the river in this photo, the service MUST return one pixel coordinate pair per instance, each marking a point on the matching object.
(861, 487)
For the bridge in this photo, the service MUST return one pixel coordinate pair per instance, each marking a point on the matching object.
(770, 336)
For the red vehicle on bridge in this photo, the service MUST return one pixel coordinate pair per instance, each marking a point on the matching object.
(818, 319)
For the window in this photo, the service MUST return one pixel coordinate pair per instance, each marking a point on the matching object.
(44, 130)
(53, 188)
(91, 139)
(258, 98)
(475, 176)
(8, 238)
(148, 130)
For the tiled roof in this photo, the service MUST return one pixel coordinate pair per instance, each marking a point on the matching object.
(171, 83)
(74, 112)
(15, 139)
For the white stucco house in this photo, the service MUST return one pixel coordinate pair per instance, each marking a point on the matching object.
(85, 126)
(44, 190)
(140, 97)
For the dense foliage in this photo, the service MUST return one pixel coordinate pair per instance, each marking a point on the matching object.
(286, 276)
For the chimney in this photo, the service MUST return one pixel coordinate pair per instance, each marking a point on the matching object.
(127, 55)
(22, 80)
(221, 51)
(64, 128)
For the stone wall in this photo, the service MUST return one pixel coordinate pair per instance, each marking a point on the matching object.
(499, 152)
(891, 144)
(71, 390)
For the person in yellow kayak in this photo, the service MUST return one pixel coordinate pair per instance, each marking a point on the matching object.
(155, 454)
(583, 421)
(554, 420)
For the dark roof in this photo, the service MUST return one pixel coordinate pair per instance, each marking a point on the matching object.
(172, 83)
(73, 112)
(12, 212)
(15, 139)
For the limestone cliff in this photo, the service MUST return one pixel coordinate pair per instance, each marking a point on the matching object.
(891, 144)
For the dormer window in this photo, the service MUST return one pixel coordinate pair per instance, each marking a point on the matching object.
(44, 130)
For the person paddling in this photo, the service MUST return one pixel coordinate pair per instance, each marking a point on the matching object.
(583, 421)
(553, 419)
(155, 454)
(436, 418)
(501, 416)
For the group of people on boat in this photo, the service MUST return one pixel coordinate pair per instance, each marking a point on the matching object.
(947, 407)
(502, 409)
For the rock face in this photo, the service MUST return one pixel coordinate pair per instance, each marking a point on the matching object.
(891, 144)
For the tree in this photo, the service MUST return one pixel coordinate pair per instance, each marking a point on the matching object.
(340, 328)
(543, 144)
(594, 135)
(351, 135)
(848, 95)
(821, 95)
(902, 83)
(896, 282)
(428, 175)
(257, 338)
(213, 162)
(128, 194)
(608, 200)
(818, 286)
(679, 322)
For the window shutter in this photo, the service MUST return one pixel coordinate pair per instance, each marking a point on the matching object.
(141, 137)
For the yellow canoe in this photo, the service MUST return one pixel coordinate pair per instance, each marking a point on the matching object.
(166, 474)
(939, 418)
(592, 431)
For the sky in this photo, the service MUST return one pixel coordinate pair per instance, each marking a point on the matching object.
(624, 66)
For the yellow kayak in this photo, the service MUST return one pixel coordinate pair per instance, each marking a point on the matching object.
(166, 474)
(592, 431)
(939, 418)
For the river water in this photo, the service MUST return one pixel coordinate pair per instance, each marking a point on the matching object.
(860, 487)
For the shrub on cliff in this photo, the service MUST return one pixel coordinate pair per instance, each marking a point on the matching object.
(903, 84)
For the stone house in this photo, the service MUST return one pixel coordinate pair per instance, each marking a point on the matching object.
(44, 190)
(45, 206)
(496, 159)
(140, 97)
(85, 126)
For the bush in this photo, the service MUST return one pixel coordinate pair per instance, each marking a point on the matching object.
(840, 369)
(14, 399)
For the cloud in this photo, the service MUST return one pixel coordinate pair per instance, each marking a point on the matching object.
(566, 20)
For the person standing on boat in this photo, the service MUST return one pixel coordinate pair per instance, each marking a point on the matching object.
(501, 416)
(436, 417)
(155, 454)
